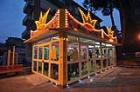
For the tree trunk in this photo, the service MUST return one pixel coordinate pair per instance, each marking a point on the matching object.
(122, 19)
(112, 18)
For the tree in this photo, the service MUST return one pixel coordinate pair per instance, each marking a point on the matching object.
(106, 6)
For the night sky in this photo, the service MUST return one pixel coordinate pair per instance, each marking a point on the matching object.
(11, 16)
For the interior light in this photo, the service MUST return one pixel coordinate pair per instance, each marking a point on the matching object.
(97, 42)
(97, 46)
(90, 46)
(108, 44)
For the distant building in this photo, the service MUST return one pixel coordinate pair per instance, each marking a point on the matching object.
(14, 41)
(13, 48)
(3, 49)
(16, 45)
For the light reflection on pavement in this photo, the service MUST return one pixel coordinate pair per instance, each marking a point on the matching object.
(120, 77)
(121, 80)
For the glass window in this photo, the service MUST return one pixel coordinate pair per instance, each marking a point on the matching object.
(84, 51)
(87, 41)
(34, 65)
(46, 68)
(72, 38)
(46, 52)
(40, 53)
(104, 63)
(110, 52)
(54, 71)
(98, 64)
(108, 61)
(72, 51)
(73, 71)
(91, 55)
(35, 52)
(92, 66)
(91, 51)
(55, 51)
(40, 67)
(98, 51)
(84, 68)
(104, 52)
(87, 54)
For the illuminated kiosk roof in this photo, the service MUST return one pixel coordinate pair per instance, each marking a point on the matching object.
(63, 21)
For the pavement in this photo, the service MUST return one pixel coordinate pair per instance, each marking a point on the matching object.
(121, 80)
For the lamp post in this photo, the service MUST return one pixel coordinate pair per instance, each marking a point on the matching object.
(138, 36)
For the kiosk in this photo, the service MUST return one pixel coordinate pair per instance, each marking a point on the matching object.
(65, 50)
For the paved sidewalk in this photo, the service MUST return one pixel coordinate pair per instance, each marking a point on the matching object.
(122, 80)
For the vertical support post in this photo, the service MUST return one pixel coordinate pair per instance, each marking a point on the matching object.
(79, 57)
(32, 58)
(13, 61)
(94, 58)
(111, 56)
(101, 56)
(106, 62)
(88, 61)
(62, 60)
(114, 56)
(62, 45)
(50, 56)
(8, 59)
(42, 59)
(37, 56)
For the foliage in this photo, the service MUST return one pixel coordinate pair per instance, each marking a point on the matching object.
(106, 6)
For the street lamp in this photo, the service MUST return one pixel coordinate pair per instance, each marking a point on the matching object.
(138, 36)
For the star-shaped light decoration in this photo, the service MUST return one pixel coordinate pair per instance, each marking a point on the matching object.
(88, 23)
(110, 33)
(41, 23)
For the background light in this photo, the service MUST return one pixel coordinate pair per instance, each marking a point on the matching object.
(138, 36)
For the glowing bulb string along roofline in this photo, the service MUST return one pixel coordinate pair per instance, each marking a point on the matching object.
(47, 24)
(101, 30)
(42, 25)
(54, 17)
